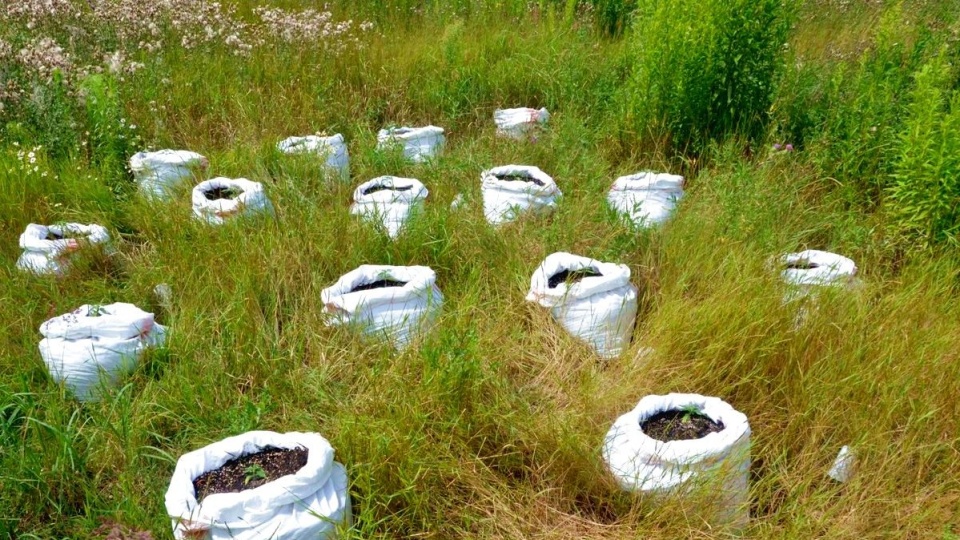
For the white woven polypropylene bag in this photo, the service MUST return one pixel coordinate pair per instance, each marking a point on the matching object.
(599, 310)
(518, 123)
(90, 348)
(389, 200)
(511, 190)
(250, 200)
(42, 255)
(398, 313)
(641, 463)
(419, 143)
(333, 149)
(818, 268)
(158, 172)
(646, 198)
(307, 505)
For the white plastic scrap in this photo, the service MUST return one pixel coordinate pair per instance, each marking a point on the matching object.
(333, 149)
(511, 190)
(520, 122)
(46, 248)
(599, 310)
(646, 198)
(158, 172)
(843, 465)
(390, 200)
(248, 199)
(419, 143)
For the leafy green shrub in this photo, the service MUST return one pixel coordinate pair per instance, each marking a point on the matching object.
(704, 69)
(924, 198)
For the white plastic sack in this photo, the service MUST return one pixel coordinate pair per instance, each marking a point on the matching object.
(842, 468)
(389, 200)
(45, 255)
(398, 312)
(643, 464)
(333, 149)
(518, 123)
(419, 144)
(599, 310)
(96, 345)
(307, 505)
(158, 172)
(808, 270)
(646, 198)
(511, 190)
(213, 206)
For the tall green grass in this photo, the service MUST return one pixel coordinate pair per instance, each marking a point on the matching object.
(491, 426)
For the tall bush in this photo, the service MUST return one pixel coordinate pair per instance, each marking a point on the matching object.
(704, 68)
(924, 197)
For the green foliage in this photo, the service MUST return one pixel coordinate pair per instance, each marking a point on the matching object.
(704, 69)
(50, 113)
(924, 198)
(253, 472)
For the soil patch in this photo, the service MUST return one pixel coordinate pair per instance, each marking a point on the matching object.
(54, 236)
(374, 189)
(571, 276)
(250, 471)
(516, 177)
(679, 426)
(379, 284)
(218, 193)
(802, 264)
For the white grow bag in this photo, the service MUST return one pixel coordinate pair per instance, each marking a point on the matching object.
(599, 310)
(511, 190)
(307, 505)
(643, 464)
(250, 200)
(419, 144)
(96, 345)
(43, 255)
(518, 123)
(400, 313)
(390, 200)
(333, 149)
(646, 198)
(158, 172)
(808, 270)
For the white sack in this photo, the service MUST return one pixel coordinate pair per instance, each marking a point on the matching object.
(250, 201)
(333, 149)
(646, 198)
(158, 172)
(842, 468)
(511, 190)
(517, 123)
(419, 144)
(643, 464)
(389, 200)
(599, 310)
(43, 256)
(84, 350)
(808, 270)
(399, 313)
(307, 505)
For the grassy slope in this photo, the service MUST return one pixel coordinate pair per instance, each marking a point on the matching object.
(492, 428)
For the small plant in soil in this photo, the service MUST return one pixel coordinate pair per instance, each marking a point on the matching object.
(95, 311)
(253, 472)
(680, 425)
(250, 471)
(218, 193)
(381, 187)
(518, 178)
(571, 276)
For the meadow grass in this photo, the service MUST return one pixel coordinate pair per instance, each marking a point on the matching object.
(491, 426)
